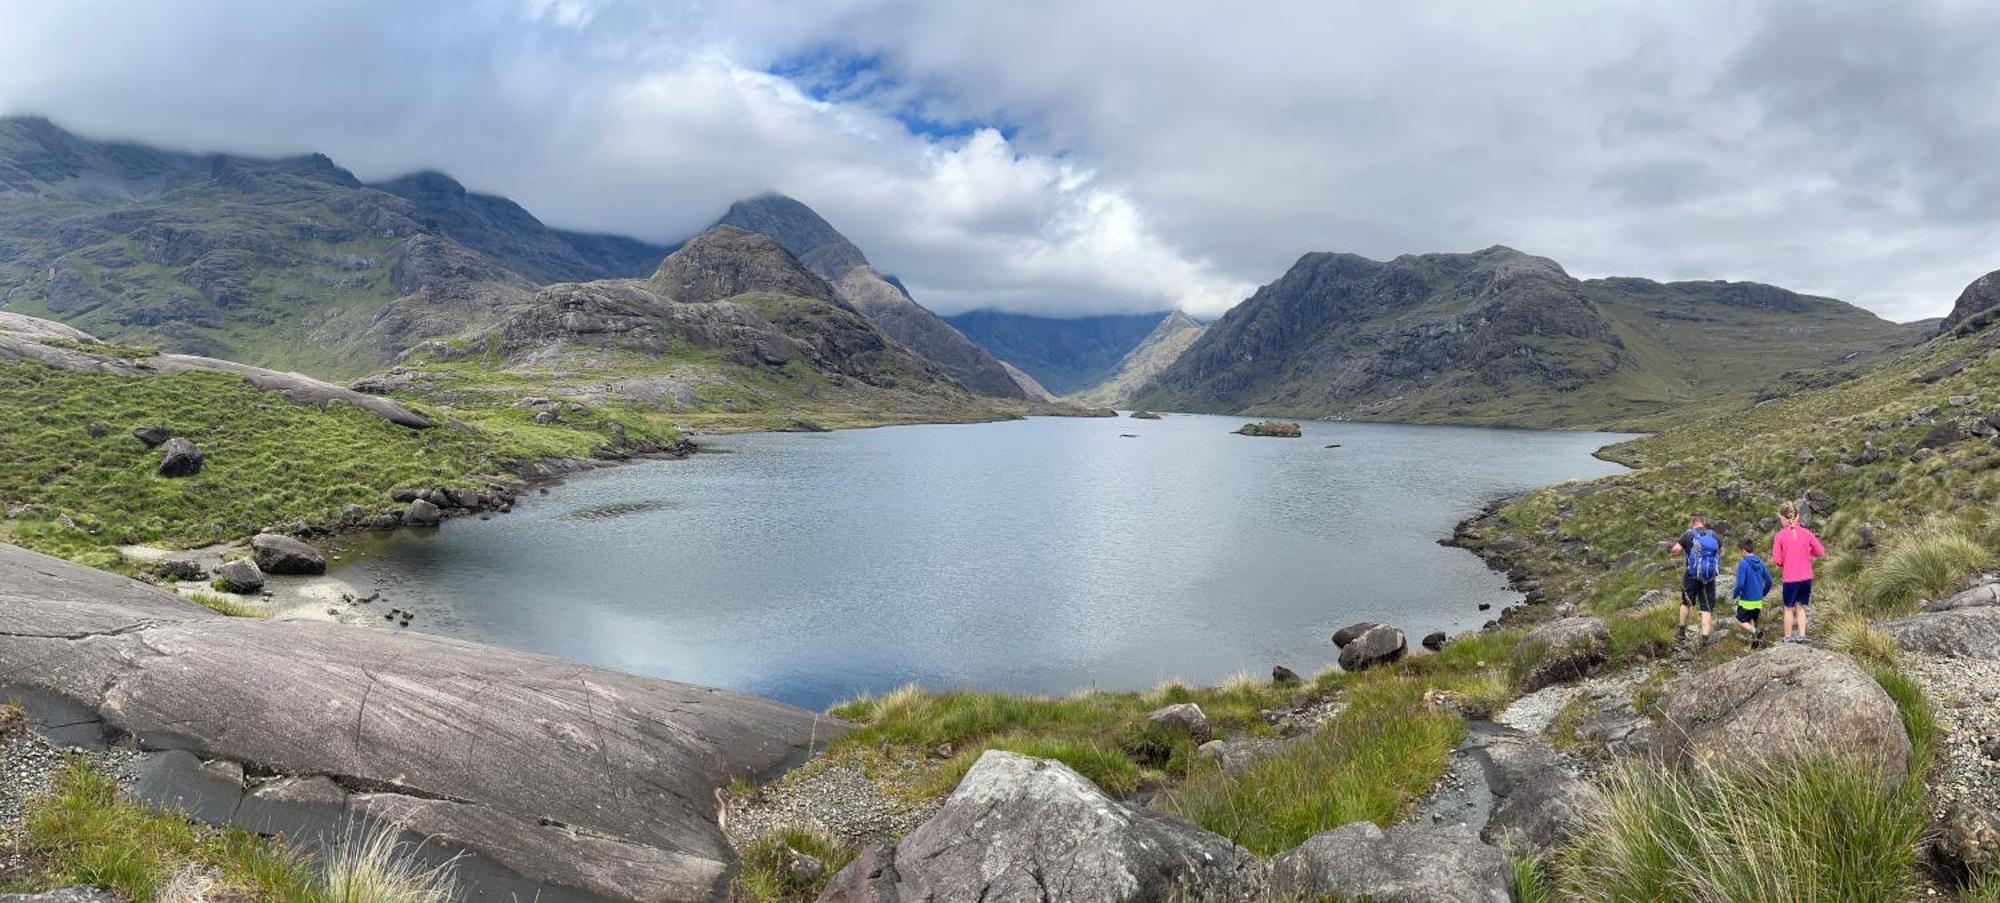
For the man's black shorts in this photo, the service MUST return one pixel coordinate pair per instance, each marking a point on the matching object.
(1698, 593)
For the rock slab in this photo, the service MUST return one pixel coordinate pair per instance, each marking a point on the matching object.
(1562, 651)
(1967, 632)
(1784, 703)
(1406, 864)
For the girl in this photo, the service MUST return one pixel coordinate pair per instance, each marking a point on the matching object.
(1793, 551)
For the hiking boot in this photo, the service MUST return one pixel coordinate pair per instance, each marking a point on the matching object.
(1681, 635)
(1705, 638)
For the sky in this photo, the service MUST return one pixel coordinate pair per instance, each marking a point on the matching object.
(1068, 158)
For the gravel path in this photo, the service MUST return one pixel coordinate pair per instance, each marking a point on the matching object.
(1966, 776)
(837, 799)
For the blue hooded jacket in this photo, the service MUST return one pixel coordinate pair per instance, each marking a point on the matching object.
(1753, 580)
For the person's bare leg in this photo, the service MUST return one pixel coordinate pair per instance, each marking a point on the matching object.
(1707, 622)
(1802, 622)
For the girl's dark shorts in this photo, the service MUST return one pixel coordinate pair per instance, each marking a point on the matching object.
(1799, 593)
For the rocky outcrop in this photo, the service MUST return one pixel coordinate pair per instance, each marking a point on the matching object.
(1977, 307)
(1537, 803)
(1965, 632)
(1984, 594)
(1170, 338)
(1785, 703)
(1278, 429)
(1378, 645)
(1561, 651)
(179, 458)
(1406, 864)
(1022, 829)
(279, 554)
(239, 576)
(561, 778)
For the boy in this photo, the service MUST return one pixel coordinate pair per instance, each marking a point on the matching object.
(1753, 580)
(1793, 551)
(1704, 552)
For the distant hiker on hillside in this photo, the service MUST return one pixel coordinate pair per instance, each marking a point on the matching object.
(1753, 580)
(1793, 551)
(1704, 556)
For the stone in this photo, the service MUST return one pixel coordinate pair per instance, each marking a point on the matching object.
(1144, 415)
(151, 436)
(1537, 804)
(1649, 598)
(1347, 634)
(307, 810)
(176, 781)
(405, 494)
(1921, 455)
(179, 458)
(1507, 545)
(352, 514)
(589, 784)
(1967, 632)
(1406, 864)
(1378, 646)
(1818, 503)
(1806, 457)
(1280, 429)
(279, 554)
(1183, 717)
(422, 513)
(803, 868)
(1236, 754)
(1979, 596)
(1942, 435)
(1284, 676)
(180, 569)
(1434, 640)
(1781, 704)
(1019, 829)
(1968, 836)
(77, 894)
(239, 576)
(1562, 651)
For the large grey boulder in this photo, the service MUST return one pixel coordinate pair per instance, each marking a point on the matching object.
(1537, 803)
(1979, 596)
(1972, 632)
(280, 554)
(1347, 634)
(1785, 703)
(1377, 646)
(1186, 718)
(1022, 829)
(1237, 754)
(239, 576)
(583, 783)
(422, 513)
(1561, 651)
(179, 458)
(1406, 864)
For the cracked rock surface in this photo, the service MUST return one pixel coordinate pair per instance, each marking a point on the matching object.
(575, 782)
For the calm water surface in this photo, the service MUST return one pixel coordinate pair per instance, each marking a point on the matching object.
(1045, 555)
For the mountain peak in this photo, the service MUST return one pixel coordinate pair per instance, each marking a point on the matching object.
(727, 261)
(800, 229)
(424, 181)
(1977, 307)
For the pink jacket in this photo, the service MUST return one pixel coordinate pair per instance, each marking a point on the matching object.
(1793, 551)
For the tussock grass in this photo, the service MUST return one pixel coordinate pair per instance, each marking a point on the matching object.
(1926, 562)
(1369, 764)
(373, 865)
(1531, 885)
(225, 603)
(1861, 639)
(1821, 829)
(1984, 889)
(765, 874)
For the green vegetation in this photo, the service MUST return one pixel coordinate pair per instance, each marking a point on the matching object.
(767, 875)
(1925, 563)
(1530, 884)
(82, 833)
(225, 603)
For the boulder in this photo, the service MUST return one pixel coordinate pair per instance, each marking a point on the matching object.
(1784, 703)
(1969, 632)
(1537, 803)
(1942, 435)
(1281, 429)
(1967, 835)
(1405, 864)
(1347, 634)
(280, 554)
(1562, 651)
(1979, 596)
(1144, 415)
(180, 569)
(1238, 753)
(1378, 646)
(77, 894)
(151, 436)
(239, 576)
(1283, 675)
(1434, 640)
(422, 513)
(582, 783)
(179, 458)
(1184, 717)
(1507, 545)
(405, 494)
(1033, 831)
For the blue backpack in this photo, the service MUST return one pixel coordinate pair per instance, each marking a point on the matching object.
(1704, 559)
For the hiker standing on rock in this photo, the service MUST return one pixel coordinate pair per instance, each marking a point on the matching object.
(1704, 559)
(1793, 551)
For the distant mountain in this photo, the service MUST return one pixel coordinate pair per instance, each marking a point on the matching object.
(1503, 337)
(826, 252)
(1066, 354)
(291, 263)
(1170, 338)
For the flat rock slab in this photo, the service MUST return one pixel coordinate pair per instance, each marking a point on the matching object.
(65, 895)
(1967, 632)
(626, 767)
(1407, 864)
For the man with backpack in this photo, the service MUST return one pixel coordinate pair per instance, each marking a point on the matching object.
(1704, 558)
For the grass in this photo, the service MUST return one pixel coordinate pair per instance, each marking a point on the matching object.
(1925, 563)
(1369, 764)
(225, 603)
(767, 875)
(85, 834)
(1531, 884)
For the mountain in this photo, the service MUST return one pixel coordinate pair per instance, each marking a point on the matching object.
(1502, 337)
(824, 251)
(292, 263)
(1066, 354)
(1170, 338)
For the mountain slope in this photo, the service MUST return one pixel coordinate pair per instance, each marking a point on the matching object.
(1066, 354)
(826, 252)
(1502, 337)
(1170, 338)
(290, 263)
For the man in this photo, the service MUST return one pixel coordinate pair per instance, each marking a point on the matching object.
(1704, 554)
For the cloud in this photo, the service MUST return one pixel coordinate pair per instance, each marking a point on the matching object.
(1084, 158)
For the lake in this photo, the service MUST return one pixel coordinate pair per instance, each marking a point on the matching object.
(1038, 556)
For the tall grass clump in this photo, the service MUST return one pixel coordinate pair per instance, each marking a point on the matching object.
(1531, 885)
(1925, 563)
(1861, 639)
(374, 865)
(1368, 764)
(1820, 829)
(767, 875)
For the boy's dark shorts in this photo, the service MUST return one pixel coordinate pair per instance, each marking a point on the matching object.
(1699, 593)
(1799, 593)
(1747, 615)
